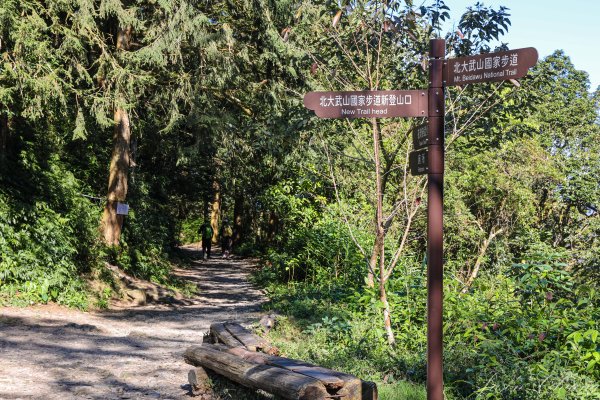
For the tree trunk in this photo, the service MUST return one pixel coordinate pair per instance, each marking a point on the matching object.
(373, 264)
(338, 384)
(215, 210)
(222, 335)
(119, 164)
(380, 235)
(117, 180)
(238, 225)
(479, 261)
(200, 383)
(3, 137)
(250, 341)
(273, 225)
(387, 314)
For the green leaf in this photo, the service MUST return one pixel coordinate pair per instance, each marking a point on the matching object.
(80, 131)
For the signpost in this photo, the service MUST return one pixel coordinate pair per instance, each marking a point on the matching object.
(428, 141)
(435, 204)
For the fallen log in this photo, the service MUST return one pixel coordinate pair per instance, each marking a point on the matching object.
(349, 387)
(222, 335)
(279, 381)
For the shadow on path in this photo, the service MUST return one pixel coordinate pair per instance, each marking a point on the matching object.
(55, 353)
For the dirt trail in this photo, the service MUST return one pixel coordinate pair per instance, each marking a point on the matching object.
(49, 352)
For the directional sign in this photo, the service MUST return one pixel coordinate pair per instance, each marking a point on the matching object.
(418, 162)
(420, 136)
(368, 103)
(490, 67)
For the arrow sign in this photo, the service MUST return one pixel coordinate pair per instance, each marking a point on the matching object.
(499, 66)
(420, 136)
(368, 103)
(418, 162)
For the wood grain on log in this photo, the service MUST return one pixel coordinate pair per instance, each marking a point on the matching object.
(222, 335)
(279, 381)
(348, 386)
(248, 339)
(199, 381)
(246, 355)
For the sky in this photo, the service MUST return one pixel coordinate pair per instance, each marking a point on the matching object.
(549, 25)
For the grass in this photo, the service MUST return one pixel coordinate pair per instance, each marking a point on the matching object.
(316, 347)
(401, 391)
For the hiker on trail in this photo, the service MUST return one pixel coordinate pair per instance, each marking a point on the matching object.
(226, 238)
(206, 231)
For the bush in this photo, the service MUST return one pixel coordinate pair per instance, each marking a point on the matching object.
(530, 332)
(48, 238)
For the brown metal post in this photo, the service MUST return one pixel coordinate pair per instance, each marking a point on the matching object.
(435, 196)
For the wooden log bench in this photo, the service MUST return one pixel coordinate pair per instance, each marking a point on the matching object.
(235, 354)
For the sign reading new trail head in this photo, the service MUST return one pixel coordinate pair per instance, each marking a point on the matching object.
(368, 103)
(499, 66)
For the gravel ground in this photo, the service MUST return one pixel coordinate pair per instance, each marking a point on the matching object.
(50, 352)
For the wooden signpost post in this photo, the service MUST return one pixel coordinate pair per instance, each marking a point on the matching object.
(428, 157)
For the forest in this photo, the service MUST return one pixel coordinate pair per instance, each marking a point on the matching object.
(191, 111)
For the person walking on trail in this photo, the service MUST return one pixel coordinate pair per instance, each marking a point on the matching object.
(226, 238)
(206, 231)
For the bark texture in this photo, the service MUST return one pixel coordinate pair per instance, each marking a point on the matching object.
(238, 218)
(482, 250)
(117, 180)
(215, 210)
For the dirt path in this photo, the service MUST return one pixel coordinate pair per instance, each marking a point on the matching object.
(49, 352)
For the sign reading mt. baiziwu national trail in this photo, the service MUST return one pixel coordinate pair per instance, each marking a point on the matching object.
(368, 103)
(499, 66)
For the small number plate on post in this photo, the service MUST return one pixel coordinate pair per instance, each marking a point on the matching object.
(418, 162)
(420, 136)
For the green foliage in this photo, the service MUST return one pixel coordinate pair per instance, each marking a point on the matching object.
(47, 236)
(527, 335)
(190, 228)
(401, 391)
(104, 297)
(314, 246)
(528, 320)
